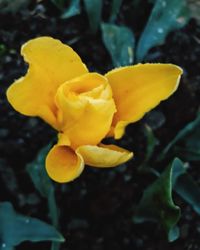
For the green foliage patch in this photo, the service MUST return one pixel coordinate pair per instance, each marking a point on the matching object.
(157, 205)
(16, 228)
(119, 42)
(165, 17)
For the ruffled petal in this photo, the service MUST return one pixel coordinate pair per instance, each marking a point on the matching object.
(86, 109)
(51, 63)
(63, 164)
(138, 89)
(104, 156)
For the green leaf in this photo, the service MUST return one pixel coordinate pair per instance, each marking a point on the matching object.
(185, 186)
(116, 4)
(60, 4)
(191, 149)
(2, 49)
(178, 168)
(193, 140)
(44, 185)
(94, 9)
(73, 9)
(119, 41)
(16, 228)
(190, 128)
(187, 154)
(173, 234)
(151, 142)
(38, 174)
(188, 189)
(157, 204)
(166, 16)
(7, 6)
(42, 182)
(4, 247)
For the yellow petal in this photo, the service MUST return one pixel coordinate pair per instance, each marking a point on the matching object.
(138, 89)
(63, 164)
(51, 63)
(104, 156)
(86, 109)
(63, 140)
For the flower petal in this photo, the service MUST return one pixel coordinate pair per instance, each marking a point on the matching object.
(104, 156)
(86, 109)
(138, 89)
(63, 164)
(51, 63)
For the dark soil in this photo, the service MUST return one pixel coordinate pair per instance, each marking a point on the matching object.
(96, 210)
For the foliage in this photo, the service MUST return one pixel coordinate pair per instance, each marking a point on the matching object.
(43, 183)
(94, 9)
(13, 6)
(181, 181)
(119, 42)
(115, 8)
(190, 135)
(73, 9)
(151, 143)
(59, 3)
(2, 49)
(16, 228)
(157, 204)
(185, 186)
(165, 17)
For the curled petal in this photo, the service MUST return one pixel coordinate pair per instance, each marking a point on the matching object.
(51, 63)
(86, 109)
(104, 156)
(138, 89)
(63, 164)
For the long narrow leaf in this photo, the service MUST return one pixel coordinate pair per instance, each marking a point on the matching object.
(166, 16)
(190, 127)
(73, 9)
(116, 4)
(94, 9)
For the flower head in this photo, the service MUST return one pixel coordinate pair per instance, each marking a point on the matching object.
(86, 107)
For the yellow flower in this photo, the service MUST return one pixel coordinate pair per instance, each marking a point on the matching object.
(86, 107)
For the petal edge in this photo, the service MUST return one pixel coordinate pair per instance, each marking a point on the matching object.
(63, 164)
(104, 156)
(138, 89)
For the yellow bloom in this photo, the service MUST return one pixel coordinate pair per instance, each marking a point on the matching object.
(86, 107)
